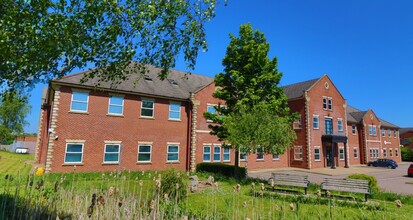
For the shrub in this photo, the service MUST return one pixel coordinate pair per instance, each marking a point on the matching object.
(220, 168)
(407, 153)
(174, 183)
(372, 180)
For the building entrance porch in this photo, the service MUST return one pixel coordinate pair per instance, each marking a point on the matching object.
(331, 151)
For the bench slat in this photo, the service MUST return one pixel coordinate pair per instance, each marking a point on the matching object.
(346, 185)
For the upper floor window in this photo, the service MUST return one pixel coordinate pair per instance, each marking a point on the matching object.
(147, 107)
(211, 109)
(74, 153)
(111, 153)
(340, 124)
(298, 153)
(315, 122)
(79, 101)
(389, 132)
(328, 125)
(383, 132)
(374, 130)
(297, 123)
(353, 128)
(175, 110)
(327, 103)
(115, 105)
(406, 141)
(394, 133)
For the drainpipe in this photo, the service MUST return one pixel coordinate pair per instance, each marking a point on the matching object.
(189, 133)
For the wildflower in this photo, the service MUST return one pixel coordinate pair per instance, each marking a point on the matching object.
(56, 186)
(276, 208)
(143, 172)
(185, 217)
(261, 193)
(140, 182)
(318, 193)
(262, 186)
(124, 178)
(253, 186)
(272, 183)
(328, 193)
(166, 197)
(292, 206)
(158, 183)
(398, 203)
(39, 171)
(177, 186)
(237, 188)
(111, 191)
(152, 205)
(74, 167)
(244, 204)
(178, 175)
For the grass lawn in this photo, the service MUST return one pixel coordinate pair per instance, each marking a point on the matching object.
(12, 163)
(140, 195)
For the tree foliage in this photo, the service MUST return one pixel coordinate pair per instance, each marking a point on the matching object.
(41, 39)
(13, 110)
(256, 109)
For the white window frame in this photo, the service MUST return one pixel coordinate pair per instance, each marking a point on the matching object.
(275, 157)
(396, 151)
(118, 153)
(374, 130)
(226, 153)
(325, 102)
(370, 130)
(391, 152)
(389, 132)
(355, 152)
(340, 124)
(394, 133)
(242, 151)
(172, 153)
(145, 108)
(353, 129)
(213, 106)
(329, 103)
(174, 111)
(206, 153)
(383, 132)
(298, 123)
(298, 153)
(384, 152)
(262, 154)
(216, 153)
(317, 154)
(316, 123)
(116, 105)
(81, 153)
(150, 152)
(341, 153)
(79, 101)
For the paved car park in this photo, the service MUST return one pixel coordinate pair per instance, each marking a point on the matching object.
(392, 180)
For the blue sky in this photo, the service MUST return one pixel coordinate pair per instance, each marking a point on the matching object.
(365, 46)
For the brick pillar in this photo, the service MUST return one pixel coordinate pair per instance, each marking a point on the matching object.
(308, 130)
(195, 104)
(52, 130)
(39, 129)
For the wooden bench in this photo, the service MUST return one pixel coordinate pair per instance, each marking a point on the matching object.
(286, 179)
(347, 185)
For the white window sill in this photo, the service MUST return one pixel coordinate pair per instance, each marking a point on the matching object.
(115, 115)
(110, 163)
(177, 120)
(72, 164)
(173, 162)
(147, 117)
(144, 162)
(78, 112)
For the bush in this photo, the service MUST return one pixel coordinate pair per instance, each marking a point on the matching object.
(174, 183)
(407, 153)
(372, 180)
(220, 168)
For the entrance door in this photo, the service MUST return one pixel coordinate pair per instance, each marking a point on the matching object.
(329, 125)
(329, 156)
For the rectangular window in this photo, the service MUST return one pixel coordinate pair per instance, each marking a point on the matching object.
(226, 154)
(147, 107)
(260, 153)
(324, 102)
(144, 153)
(315, 122)
(355, 152)
(353, 128)
(174, 110)
(406, 141)
(394, 133)
(275, 157)
(391, 152)
(374, 130)
(298, 153)
(389, 132)
(173, 153)
(371, 153)
(329, 125)
(74, 153)
(384, 152)
(341, 152)
(297, 123)
(79, 101)
(330, 103)
(207, 153)
(371, 130)
(383, 132)
(111, 153)
(211, 109)
(115, 105)
(397, 152)
(317, 153)
(340, 124)
(242, 154)
(217, 153)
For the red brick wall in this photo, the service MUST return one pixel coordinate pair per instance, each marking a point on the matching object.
(404, 136)
(298, 106)
(96, 127)
(391, 144)
(353, 141)
(372, 141)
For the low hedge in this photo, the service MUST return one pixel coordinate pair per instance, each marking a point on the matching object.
(220, 168)
(372, 180)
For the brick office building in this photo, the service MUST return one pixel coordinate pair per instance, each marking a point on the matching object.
(156, 124)
(406, 135)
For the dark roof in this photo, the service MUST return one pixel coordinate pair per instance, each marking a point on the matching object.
(405, 130)
(297, 90)
(354, 114)
(178, 84)
(387, 124)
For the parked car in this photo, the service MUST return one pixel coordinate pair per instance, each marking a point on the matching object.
(410, 170)
(389, 163)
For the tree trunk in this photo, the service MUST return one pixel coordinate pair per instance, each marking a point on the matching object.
(236, 164)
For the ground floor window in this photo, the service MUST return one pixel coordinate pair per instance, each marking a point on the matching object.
(317, 153)
(276, 157)
(298, 153)
(355, 152)
(242, 154)
(374, 152)
(260, 153)
(173, 153)
(391, 152)
(144, 152)
(397, 152)
(217, 153)
(384, 152)
(207, 152)
(341, 152)
(111, 153)
(226, 154)
(74, 153)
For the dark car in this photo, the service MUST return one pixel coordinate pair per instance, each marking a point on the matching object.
(410, 170)
(389, 163)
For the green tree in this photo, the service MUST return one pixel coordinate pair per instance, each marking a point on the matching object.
(13, 110)
(41, 39)
(256, 112)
